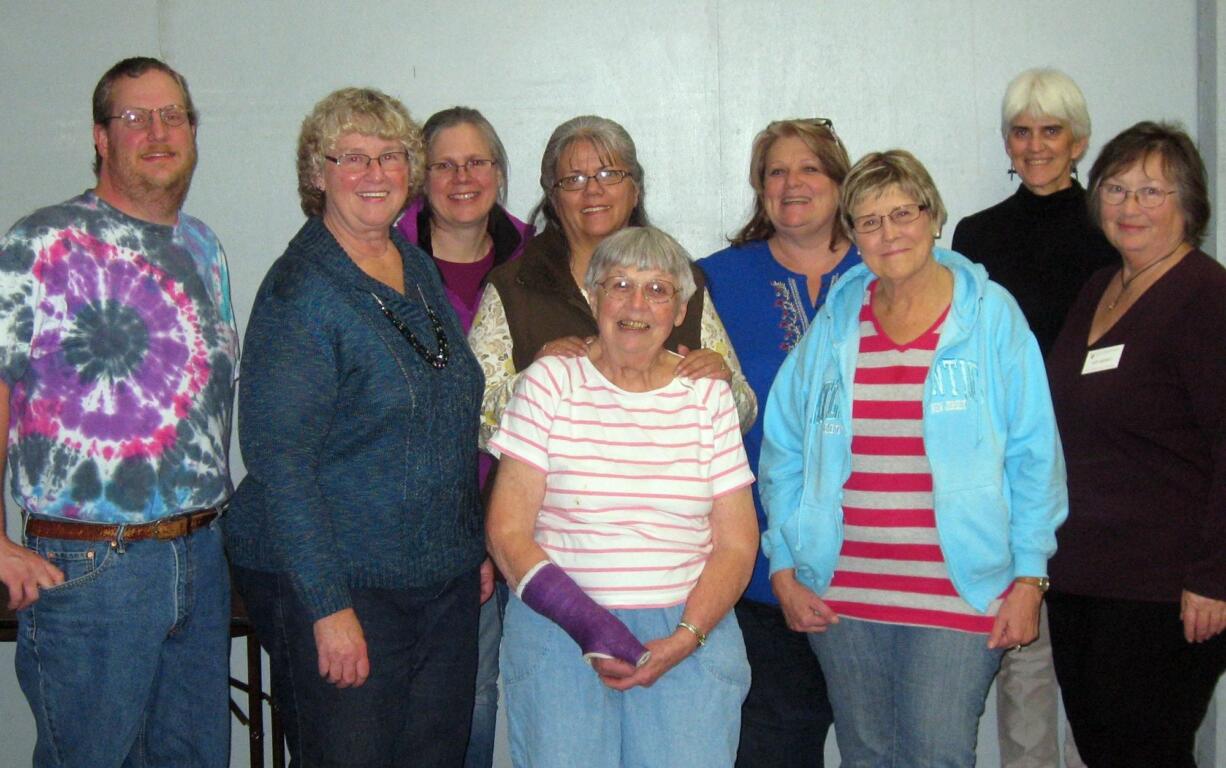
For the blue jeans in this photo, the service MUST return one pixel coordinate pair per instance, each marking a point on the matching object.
(416, 706)
(127, 662)
(905, 696)
(480, 752)
(560, 714)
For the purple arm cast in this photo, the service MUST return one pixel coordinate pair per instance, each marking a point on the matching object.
(554, 595)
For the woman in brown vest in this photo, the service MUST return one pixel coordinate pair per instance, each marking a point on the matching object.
(534, 306)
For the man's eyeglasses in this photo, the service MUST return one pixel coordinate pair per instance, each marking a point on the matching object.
(138, 118)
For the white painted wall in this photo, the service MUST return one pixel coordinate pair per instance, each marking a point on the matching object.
(692, 80)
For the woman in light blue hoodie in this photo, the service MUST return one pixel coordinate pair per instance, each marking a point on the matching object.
(913, 479)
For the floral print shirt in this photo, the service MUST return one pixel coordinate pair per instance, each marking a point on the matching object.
(119, 347)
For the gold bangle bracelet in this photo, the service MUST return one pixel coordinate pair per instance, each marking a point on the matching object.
(702, 637)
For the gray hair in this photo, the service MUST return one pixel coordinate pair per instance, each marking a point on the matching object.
(614, 146)
(1047, 92)
(644, 248)
(456, 116)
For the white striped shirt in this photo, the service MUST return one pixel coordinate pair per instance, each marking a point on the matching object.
(630, 476)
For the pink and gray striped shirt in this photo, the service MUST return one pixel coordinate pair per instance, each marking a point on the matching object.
(630, 476)
(891, 568)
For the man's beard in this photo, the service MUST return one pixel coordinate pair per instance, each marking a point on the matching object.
(161, 194)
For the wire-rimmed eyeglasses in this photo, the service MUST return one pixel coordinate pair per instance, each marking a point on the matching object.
(605, 177)
(1147, 197)
(358, 162)
(138, 118)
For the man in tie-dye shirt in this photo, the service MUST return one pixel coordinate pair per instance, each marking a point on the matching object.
(117, 356)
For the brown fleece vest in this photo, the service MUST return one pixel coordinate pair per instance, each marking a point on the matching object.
(543, 303)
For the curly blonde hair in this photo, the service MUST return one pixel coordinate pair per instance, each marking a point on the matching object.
(354, 110)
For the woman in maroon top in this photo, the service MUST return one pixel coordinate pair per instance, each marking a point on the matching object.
(1138, 375)
(460, 221)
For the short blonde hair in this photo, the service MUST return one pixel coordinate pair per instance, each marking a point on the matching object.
(876, 172)
(353, 110)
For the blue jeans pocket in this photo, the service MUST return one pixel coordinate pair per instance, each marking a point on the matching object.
(82, 562)
(528, 641)
(723, 657)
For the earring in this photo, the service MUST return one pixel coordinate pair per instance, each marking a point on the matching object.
(1075, 176)
(1012, 172)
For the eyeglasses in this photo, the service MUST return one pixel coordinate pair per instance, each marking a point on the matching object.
(138, 118)
(823, 122)
(606, 177)
(903, 214)
(474, 166)
(623, 288)
(356, 162)
(1147, 197)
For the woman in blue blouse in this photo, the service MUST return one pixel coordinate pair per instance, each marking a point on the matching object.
(767, 287)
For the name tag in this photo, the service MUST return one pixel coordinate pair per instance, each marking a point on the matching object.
(1105, 359)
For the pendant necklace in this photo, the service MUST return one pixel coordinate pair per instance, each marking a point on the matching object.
(437, 360)
(1124, 284)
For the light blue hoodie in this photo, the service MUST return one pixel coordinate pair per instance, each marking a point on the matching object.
(989, 431)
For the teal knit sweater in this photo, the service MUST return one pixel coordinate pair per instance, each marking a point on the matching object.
(361, 457)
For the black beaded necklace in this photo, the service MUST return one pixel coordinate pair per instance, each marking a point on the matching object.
(437, 360)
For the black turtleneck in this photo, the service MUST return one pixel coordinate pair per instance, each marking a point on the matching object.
(1042, 249)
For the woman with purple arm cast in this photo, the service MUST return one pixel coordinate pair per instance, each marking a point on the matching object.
(623, 520)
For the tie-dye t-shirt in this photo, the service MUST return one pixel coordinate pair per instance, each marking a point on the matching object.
(118, 342)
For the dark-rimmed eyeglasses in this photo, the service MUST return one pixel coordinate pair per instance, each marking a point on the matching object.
(822, 122)
(474, 166)
(605, 177)
(903, 214)
(358, 162)
(138, 118)
(1147, 197)
(623, 288)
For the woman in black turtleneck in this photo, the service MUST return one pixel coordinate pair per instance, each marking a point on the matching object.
(1040, 245)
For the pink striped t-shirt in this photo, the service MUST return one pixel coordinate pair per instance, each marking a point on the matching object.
(630, 476)
(891, 568)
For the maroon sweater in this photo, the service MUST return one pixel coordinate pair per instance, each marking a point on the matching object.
(1145, 442)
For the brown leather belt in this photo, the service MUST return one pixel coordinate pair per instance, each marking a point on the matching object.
(163, 530)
